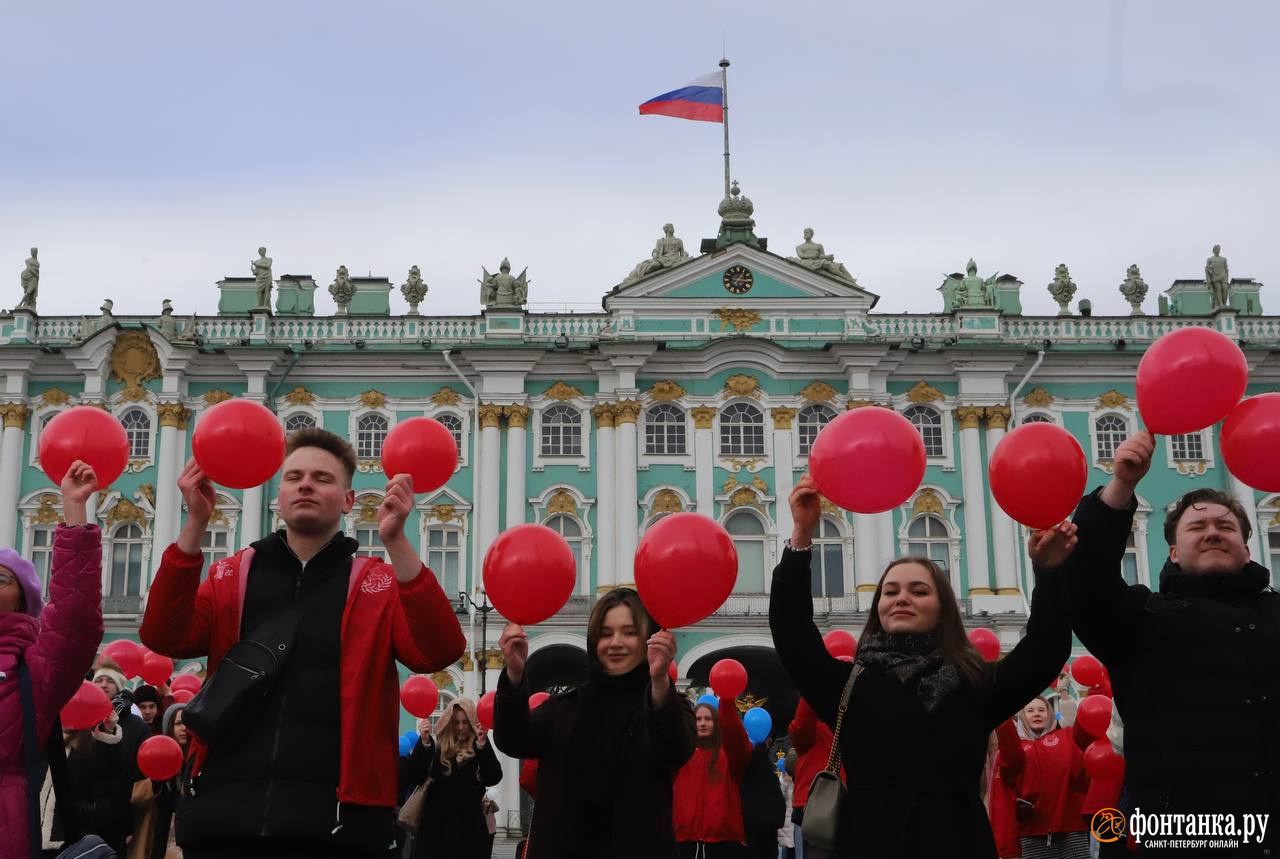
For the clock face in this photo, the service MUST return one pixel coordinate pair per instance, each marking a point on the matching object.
(737, 279)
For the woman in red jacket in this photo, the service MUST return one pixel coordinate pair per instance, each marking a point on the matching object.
(1044, 766)
(707, 799)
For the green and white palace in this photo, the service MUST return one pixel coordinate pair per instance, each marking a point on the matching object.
(699, 385)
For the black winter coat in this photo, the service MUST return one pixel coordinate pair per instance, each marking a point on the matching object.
(100, 781)
(762, 801)
(1195, 670)
(453, 822)
(914, 776)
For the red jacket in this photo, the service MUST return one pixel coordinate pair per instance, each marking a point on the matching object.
(811, 738)
(707, 798)
(1048, 772)
(384, 622)
(529, 777)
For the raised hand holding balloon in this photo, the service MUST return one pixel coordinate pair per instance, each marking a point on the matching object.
(868, 460)
(422, 448)
(89, 435)
(1038, 473)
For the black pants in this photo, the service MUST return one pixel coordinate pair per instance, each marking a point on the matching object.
(712, 850)
(762, 841)
(249, 850)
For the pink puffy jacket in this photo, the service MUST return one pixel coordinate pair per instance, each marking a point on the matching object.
(59, 649)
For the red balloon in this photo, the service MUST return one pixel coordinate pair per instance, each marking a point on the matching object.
(484, 710)
(1094, 715)
(239, 444)
(1086, 670)
(1250, 438)
(536, 699)
(156, 668)
(183, 696)
(87, 707)
(1102, 762)
(671, 672)
(1189, 379)
(1038, 473)
(189, 682)
(419, 696)
(160, 758)
(88, 434)
(728, 679)
(127, 655)
(868, 460)
(422, 448)
(529, 573)
(669, 550)
(840, 643)
(987, 642)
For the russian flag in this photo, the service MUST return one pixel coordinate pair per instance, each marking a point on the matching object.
(701, 99)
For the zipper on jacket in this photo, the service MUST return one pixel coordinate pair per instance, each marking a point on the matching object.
(337, 817)
(284, 699)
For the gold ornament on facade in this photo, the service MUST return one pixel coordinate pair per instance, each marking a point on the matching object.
(969, 416)
(627, 412)
(15, 415)
(369, 466)
(1107, 465)
(742, 386)
(604, 414)
(1113, 399)
(736, 465)
(782, 417)
(55, 397)
(730, 484)
(923, 392)
(998, 417)
(561, 502)
(666, 501)
(173, 414)
(466, 662)
(369, 505)
(739, 318)
(829, 508)
(819, 392)
(517, 415)
(760, 485)
(490, 415)
(446, 396)
(126, 511)
(744, 497)
(1038, 397)
(217, 395)
(927, 502)
(859, 404)
(373, 399)
(148, 491)
(1190, 468)
(134, 361)
(442, 679)
(300, 397)
(219, 517)
(445, 512)
(747, 701)
(47, 512)
(703, 416)
(493, 660)
(562, 392)
(665, 391)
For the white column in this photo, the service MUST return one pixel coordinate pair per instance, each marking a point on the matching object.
(783, 471)
(704, 460)
(866, 552)
(975, 520)
(1243, 494)
(251, 516)
(168, 502)
(490, 451)
(517, 417)
(1003, 532)
(886, 542)
(606, 526)
(627, 511)
(11, 463)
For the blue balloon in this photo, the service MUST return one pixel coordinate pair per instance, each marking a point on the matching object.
(709, 699)
(758, 723)
(406, 746)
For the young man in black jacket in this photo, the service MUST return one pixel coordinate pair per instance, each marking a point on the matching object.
(1195, 666)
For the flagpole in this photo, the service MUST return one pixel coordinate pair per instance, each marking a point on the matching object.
(724, 82)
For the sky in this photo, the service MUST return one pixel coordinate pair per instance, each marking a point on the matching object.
(149, 148)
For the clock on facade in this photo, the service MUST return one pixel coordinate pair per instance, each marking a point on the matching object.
(737, 279)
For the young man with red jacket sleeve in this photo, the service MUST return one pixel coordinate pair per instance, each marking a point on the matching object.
(707, 795)
(315, 771)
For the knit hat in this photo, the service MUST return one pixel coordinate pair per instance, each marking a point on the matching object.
(25, 573)
(146, 695)
(166, 723)
(114, 676)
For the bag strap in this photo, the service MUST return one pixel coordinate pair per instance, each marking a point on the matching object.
(832, 764)
(35, 767)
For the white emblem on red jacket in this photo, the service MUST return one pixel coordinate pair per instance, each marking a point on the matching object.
(226, 569)
(1050, 740)
(376, 581)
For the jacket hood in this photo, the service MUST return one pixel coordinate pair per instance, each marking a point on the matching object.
(1251, 580)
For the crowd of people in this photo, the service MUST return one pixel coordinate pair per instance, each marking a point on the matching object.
(915, 746)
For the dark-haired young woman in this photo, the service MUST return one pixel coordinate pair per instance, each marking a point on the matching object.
(607, 751)
(922, 708)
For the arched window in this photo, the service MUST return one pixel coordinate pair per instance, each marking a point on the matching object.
(1129, 564)
(812, 420)
(126, 561)
(929, 422)
(300, 421)
(137, 428)
(1037, 418)
(444, 557)
(40, 553)
(1188, 447)
(748, 538)
(566, 526)
(826, 564)
(453, 424)
(742, 430)
(664, 430)
(927, 537)
(1111, 431)
(561, 431)
(371, 432)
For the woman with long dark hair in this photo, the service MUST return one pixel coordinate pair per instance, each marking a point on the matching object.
(607, 751)
(708, 791)
(923, 702)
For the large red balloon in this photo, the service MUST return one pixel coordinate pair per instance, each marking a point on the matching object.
(127, 655)
(156, 668)
(536, 699)
(987, 642)
(186, 681)
(868, 460)
(160, 758)
(423, 449)
(686, 567)
(1086, 670)
(1189, 379)
(1094, 715)
(728, 679)
(671, 672)
(484, 710)
(419, 696)
(840, 643)
(529, 573)
(239, 444)
(1250, 439)
(87, 707)
(1038, 473)
(1102, 762)
(183, 696)
(88, 434)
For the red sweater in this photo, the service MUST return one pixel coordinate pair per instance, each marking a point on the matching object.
(1002, 809)
(811, 738)
(1048, 772)
(707, 798)
(384, 621)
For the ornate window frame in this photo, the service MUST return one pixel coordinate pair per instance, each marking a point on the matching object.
(311, 411)
(766, 454)
(463, 415)
(646, 459)
(575, 399)
(802, 456)
(119, 406)
(1191, 467)
(39, 509)
(40, 410)
(933, 500)
(1110, 403)
(443, 508)
(660, 501)
(769, 536)
(845, 532)
(567, 499)
(924, 394)
(367, 465)
(111, 517)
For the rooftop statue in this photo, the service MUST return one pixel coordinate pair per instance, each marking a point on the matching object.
(501, 290)
(1218, 278)
(969, 291)
(1134, 289)
(667, 253)
(168, 328)
(812, 255)
(30, 281)
(342, 289)
(1062, 288)
(414, 289)
(261, 268)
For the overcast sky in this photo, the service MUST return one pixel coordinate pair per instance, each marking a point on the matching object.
(148, 148)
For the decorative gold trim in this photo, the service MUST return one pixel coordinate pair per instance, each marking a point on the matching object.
(126, 511)
(442, 679)
(759, 485)
(981, 592)
(923, 392)
(369, 466)
(445, 513)
(173, 414)
(133, 362)
(859, 404)
(133, 394)
(739, 317)
(493, 659)
(703, 416)
(1008, 592)
(148, 491)
(55, 397)
(446, 396)
(1113, 399)
(927, 502)
(665, 391)
(217, 395)
(819, 392)
(1107, 465)
(998, 417)
(742, 386)
(300, 397)
(562, 392)
(466, 662)
(517, 415)
(744, 497)
(666, 501)
(782, 417)
(747, 701)
(47, 513)
(1038, 397)
(1189, 468)
(626, 411)
(368, 510)
(969, 416)
(829, 508)
(866, 589)
(561, 502)
(373, 399)
(604, 414)
(490, 415)
(15, 415)
(219, 517)
(736, 465)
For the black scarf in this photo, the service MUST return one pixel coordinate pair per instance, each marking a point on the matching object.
(914, 660)
(1243, 586)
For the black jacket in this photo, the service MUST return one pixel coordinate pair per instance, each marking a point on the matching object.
(100, 781)
(453, 824)
(913, 775)
(658, 742)
(1195, 669)
(762, 801)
